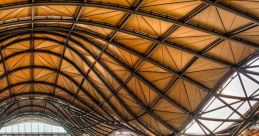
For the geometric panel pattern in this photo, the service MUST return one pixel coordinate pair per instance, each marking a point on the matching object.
(151, 67)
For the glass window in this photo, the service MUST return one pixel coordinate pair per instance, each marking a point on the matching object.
(32, 127)
(230, 104)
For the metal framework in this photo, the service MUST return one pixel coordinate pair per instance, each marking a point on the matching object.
(100, 66)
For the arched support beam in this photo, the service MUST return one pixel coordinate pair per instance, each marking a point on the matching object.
(126, 31)
(55, 54)
(128, 90)
(124, 9)
(49, 101)
(44, 51)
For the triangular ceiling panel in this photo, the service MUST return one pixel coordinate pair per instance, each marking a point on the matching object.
(148, 67)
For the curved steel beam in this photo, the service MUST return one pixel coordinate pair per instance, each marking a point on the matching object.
(44, 51)
(28, 93)
(42, 82)
(180, 75)
(37, 67)
(53, 101)
(126, 68)
(128, 90)
(143, 104)
(68, 47)
(70, 61)
(127, 10)
(126, 31)
(57, 55)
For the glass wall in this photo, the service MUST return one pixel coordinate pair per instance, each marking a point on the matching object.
(32, 128)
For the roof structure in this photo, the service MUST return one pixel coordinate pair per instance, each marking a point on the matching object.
(151, 67)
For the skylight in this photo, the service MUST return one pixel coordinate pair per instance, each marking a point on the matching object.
(232, 103)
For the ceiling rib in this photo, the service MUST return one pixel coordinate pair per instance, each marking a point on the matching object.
(66, 60)
(69, 32)
(158, 41)
(128, 10)
(148, 111)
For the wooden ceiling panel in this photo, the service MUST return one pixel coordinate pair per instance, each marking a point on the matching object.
(50, 36)
(67, 84)
(44, 75)
(2, 71)
(173, 8)
(135, 43)
(18, 61)
(85, 46)
(219, 19)
(71, 71)
(250, 35)
(127, 58)
(191, 38)
(19, 89)
(4, 2)
(232, 52)
(14, 48)
(148, 25)
(206, 72)
(44, 59)
(146, 65)
(142, 91)
(171, 114)
(157, 76)
(103, 15)
(247, 6)
(172, 58)
(20, 76)
(186, 94)
(82, 96)
(48, 45)
(13, 39)
(14, 13)
(66, 11)
(3, 83)
(4, 95)
(43, 88)
(155, 125)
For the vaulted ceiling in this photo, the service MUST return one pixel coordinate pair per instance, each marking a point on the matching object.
(148, 66)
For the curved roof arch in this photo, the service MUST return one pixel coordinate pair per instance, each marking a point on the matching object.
(142, 65)
(56, 109)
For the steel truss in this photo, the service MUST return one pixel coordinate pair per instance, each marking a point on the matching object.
(77, 124)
